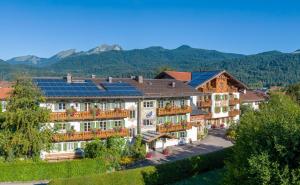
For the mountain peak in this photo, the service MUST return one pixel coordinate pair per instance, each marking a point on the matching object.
(296, 52)
(184, 47)
(25, 59)
(104, 48)
(64, 54)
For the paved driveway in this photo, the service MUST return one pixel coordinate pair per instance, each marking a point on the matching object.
(213, 142)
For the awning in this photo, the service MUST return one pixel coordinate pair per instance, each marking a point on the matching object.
(150, 136)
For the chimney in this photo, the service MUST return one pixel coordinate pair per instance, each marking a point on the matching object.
(93, 76)
(69, 78)
(140, 79)
(109, 79)
(173, 84)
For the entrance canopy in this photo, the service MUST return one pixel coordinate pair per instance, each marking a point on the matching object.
(150, 136)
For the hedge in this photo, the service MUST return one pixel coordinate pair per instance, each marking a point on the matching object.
(154, 175)
(27, 171)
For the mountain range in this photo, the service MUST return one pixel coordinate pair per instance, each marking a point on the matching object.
(262, 69)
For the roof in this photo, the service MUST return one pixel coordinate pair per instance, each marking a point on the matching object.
(178, 75)
(253, 96)
(152, 135)
(117, 88)
(163, 88)
(5, 92)
(6, 84)
(198, 78)
(59, 87)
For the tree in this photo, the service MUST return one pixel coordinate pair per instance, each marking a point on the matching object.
(138, 149)
(267, 145)
(294, 92)
(23, 130)
(95, 149)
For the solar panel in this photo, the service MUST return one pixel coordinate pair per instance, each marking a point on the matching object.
(200, 77)
(86, 88)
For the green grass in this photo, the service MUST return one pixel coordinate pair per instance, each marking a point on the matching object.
(154, 175)
(208, 178)
(29, 170)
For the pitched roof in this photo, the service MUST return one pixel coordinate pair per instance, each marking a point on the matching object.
(5, 92)
(5, 84)
(82, 88)
(253, 96)
(178, 75)
(161, 87)
(117, 88)
(198, 78)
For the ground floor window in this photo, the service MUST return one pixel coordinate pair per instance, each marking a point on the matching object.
(182, 134)
(118, 123)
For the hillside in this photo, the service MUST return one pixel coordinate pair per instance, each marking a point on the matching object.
(268, 68)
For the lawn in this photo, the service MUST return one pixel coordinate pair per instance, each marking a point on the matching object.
(207, 178)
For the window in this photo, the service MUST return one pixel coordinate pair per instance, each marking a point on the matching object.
(103, 106)
(182, 102)
(61, 106)
(87, 106)
(147, 122)
(102, 125)
(70, 146)
(132, 132)
(172, 103)
(132, 114)
(160, 104)
(62, 126)
(148, 104)
(182, 134)
(87, 127)
(118, 123)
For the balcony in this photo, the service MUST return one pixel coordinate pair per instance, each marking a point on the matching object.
(234, 101)
(233, 113)
(64, 116)
(205, 103)
(174, 110)
(164, 128)
(208, 116)
(85, 136)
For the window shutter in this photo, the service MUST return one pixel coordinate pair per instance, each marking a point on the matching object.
(65, 146)
(56, 106)
(82, 107)
(68, 126)
(81, 127)
(58, 146)
(76, 145)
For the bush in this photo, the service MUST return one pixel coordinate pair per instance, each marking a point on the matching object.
(28, 170)
(94, 149)
(155, 175)
(138, 150)
(267, 145)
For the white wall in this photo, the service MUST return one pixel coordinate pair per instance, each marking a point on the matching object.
(219, 103)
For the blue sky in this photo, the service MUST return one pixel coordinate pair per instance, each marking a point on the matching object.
(44, 27)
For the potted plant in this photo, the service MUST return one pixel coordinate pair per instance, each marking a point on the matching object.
(222, 125)
(167, 124)
(95, 111)
(166, 151)
(71, 111)
(168, 106)
(71, 131)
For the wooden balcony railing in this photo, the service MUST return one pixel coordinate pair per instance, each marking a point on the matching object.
(233, 113)
(63, 116)
(85, 136)
(205, 103)
(173, 127)
(208, 116)
(234, 101)
(173, 110)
